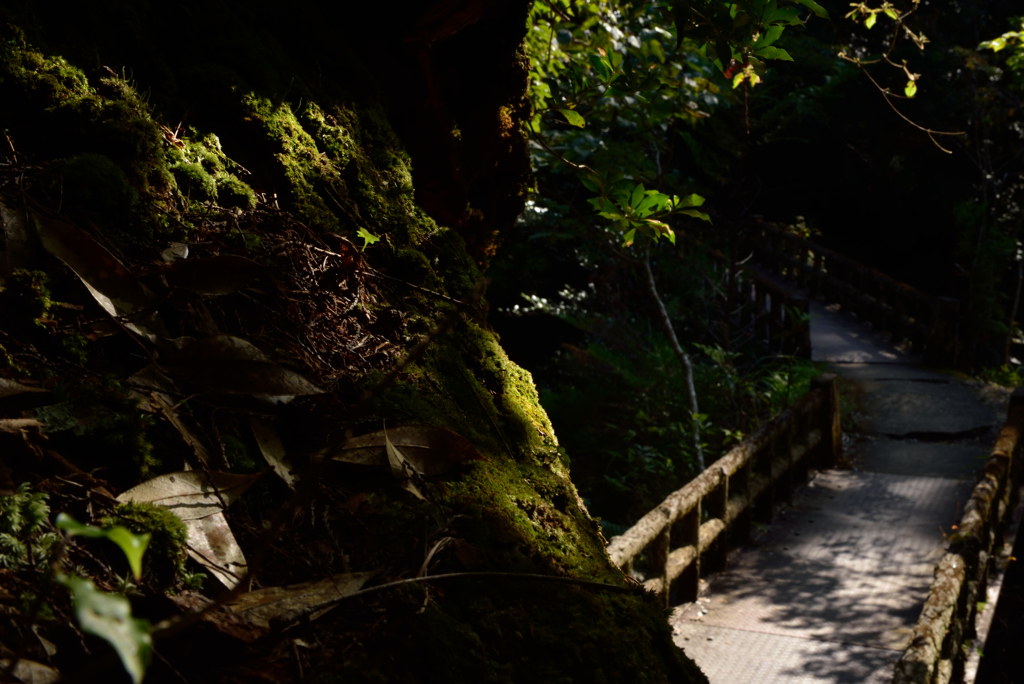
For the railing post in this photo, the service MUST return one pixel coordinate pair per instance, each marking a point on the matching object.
(739, 484)
(831, 446)
(687, 530)
(657, 560)
(717, 503)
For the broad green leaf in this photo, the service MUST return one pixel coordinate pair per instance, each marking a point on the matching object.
(774, 53)
(573, 118)
(133, 545)
(601, 66)
(637, 196)
(911, 89)
(589, 183)
(891, 13)
(650, 204)
(814, 7)
(696, 214)
(769, 37)
(109, 617)
(786, 15)
(870, 21)
(368, 237)
(627, 240)
(693, 200)
(658, 51)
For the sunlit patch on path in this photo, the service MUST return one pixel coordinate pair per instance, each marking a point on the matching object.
(831, 591)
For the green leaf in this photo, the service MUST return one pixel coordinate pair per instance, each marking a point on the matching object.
(589, 183)
(769, 37)
(658, 51)
(368, 237)
(911, 89)
(628, 238)
(573, 118)
(774, 53)
(786, 15)
(109, 617)
(133, 545)
(814, 7)
(870, 21)
(891, 13)
(693, 200)
(601, 66)
(637, 196)
(696, 214)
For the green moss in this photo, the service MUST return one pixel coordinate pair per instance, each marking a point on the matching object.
(195, 182)
(95, 183)
(231, 192)
(166, 554)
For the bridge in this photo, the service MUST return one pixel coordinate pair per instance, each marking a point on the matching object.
(782, 566)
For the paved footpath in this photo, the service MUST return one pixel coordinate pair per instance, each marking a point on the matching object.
(831, 591)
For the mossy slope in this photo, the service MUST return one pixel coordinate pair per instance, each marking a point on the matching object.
(284, 113)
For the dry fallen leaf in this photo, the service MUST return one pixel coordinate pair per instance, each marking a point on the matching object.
(231, 365)
(10, 388)
(110, 283)
(31, 672)
(162, 402)
(285, 604)
(428, 449)
(402, 469)
(199, 498)
(265, 432)
(16, 425)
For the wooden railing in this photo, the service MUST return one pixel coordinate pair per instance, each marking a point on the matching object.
(929, 323)
(935, 655)
(686, 535)
(762, 309)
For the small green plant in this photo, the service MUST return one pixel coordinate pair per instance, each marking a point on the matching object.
(109, 616)
(25, 538)
(1006, 375)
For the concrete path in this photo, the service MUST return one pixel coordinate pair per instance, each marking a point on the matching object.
(831, 591)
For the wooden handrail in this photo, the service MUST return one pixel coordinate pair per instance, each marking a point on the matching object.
(935, 655)
(723, 499)
(930, 323)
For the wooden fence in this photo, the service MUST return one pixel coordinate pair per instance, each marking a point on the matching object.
(935, 654)
(761, 308)
(929, 323)
(687, 534)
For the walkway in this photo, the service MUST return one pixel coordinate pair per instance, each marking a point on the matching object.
(831, 591)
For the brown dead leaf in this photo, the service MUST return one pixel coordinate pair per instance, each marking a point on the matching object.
(429, 449)
(199, 498)
(286, 604)
(31, 672)
(223, 620)
(110, 283)
(217, 275)
(265, 432)
(192, 494)
(162, 403)
(16, 425)
(231, 365)
(402, 469)
(212, 545)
